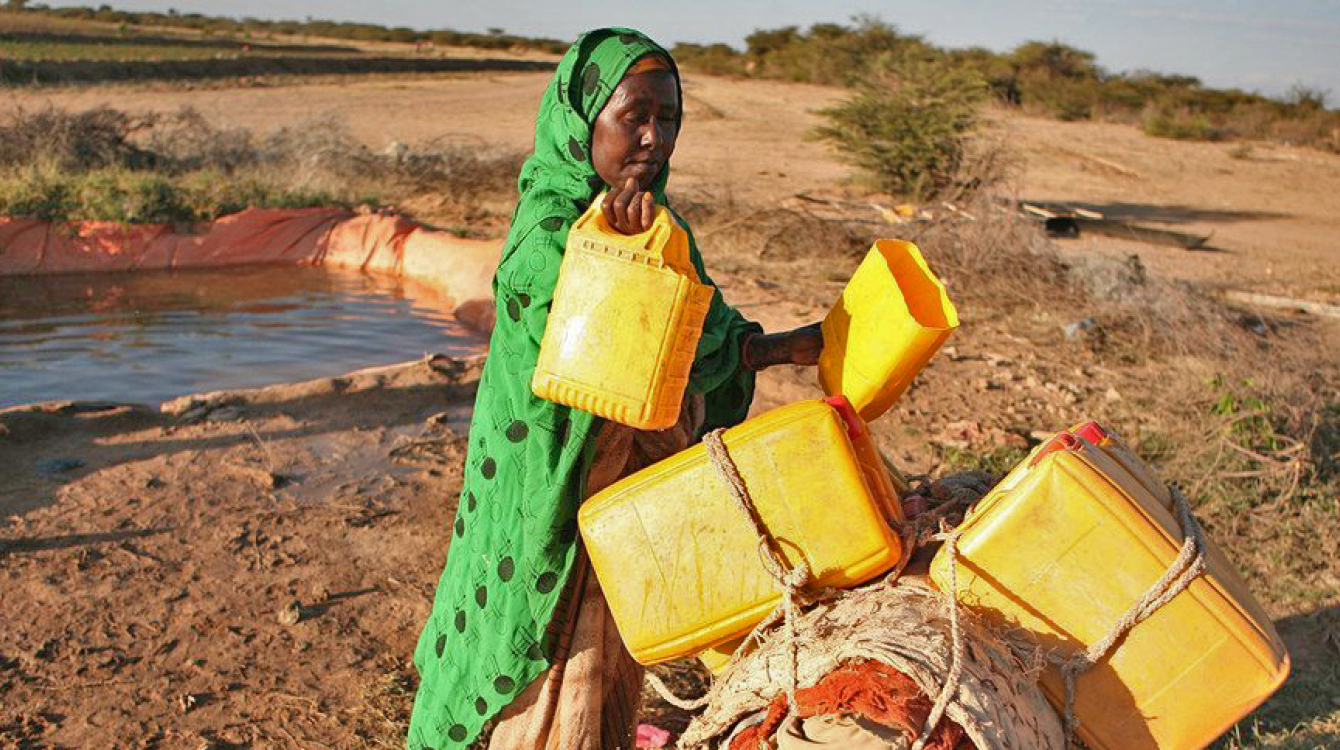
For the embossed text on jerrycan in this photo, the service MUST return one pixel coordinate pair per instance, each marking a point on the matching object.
(623, 329)
(891, 318)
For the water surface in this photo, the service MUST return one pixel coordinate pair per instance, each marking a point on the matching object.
(150, 336)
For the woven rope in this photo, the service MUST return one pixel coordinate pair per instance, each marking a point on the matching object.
(791, 582)
(683, 704)
(950, 687)
(1188, 565)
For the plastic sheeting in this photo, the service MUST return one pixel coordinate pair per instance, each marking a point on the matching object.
(459, 270)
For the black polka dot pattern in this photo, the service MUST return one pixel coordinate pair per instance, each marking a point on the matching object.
(546, 582)
(506, 569)
(481, 706)
(504, 684)
(535, 652)
(524, 298)
(514, 310)
(457, 732)
(470, 502)
(488, 468)
(441, 645)
(590, 77)
(517, 431)
(460, 621)
(482, 596)
(460, 525)
(576, 150)
(552, 224)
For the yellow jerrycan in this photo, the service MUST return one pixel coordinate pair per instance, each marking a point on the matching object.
(891, 318)
(1065, 545)
(679, 561)
(627, 314)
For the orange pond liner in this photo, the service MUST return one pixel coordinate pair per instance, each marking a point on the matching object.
(457, 270)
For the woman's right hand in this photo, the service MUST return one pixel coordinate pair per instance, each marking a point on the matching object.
(628, 209)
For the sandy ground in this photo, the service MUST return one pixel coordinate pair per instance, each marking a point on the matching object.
(152, 565)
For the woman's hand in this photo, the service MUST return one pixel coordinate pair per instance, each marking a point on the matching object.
(799, 347)
(628, 209)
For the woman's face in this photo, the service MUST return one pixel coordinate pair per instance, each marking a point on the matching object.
(635, 133)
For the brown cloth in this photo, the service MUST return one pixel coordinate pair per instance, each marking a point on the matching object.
(871, 693)
(590, 697)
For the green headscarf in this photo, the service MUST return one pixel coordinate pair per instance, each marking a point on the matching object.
(515, 532)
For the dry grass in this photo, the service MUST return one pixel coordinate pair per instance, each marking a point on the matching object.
(108, 164)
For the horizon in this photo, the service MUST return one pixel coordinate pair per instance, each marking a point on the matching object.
(1232, 44)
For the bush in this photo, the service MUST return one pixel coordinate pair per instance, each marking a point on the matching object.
(712, 59)
(1166, 121)
(828, 53)
(907, 123)
(91, 139)
(176, 167)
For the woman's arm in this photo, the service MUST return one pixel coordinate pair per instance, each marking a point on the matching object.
(797, 347)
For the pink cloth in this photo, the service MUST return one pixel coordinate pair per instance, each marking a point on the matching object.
(651, 736)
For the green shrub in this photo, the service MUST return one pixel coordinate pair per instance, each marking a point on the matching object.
(828, 53)
(906, 123)
(1182, 123)
(712, 59)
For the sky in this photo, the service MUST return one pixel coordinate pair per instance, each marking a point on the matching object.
(1256, 46)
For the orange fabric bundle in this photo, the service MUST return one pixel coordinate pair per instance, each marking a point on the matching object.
(871, 689)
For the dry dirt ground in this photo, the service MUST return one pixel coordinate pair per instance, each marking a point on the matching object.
(152, 565)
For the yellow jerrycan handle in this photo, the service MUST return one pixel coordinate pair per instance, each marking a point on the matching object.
(665, 241)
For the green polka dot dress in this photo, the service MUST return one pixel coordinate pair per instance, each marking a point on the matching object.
(514, 537)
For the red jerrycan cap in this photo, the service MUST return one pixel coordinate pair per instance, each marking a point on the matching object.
(1092, 432)
(1064, 441)
(855, 427)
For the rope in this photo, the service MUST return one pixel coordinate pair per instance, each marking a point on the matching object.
(1188, 565)
(683, 704)
(791, 582)
(950, 687)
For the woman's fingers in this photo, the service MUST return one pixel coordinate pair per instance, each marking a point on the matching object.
(648, 210)
(607, 209)
(632, 214)
(628, 209)
(621, 198)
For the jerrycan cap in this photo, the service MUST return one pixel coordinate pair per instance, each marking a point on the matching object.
(1064, 441)
(855, 426)
(1092, 432)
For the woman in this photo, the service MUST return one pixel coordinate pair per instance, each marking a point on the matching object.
(516, 601)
